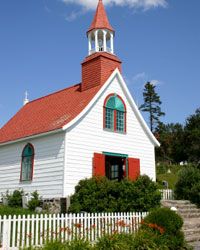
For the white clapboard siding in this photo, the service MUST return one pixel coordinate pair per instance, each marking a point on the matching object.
(48, 166)
(34, 230)
(88, 136)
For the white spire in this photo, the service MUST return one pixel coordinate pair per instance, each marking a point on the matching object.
(26, 100)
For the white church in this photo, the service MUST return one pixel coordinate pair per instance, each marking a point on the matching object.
(89, 129)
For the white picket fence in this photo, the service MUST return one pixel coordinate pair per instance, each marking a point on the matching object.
(167, 194)
(35, 230)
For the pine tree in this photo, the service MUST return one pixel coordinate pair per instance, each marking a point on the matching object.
(152, 105)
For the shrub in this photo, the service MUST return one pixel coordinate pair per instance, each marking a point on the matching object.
(102, 195)
(147, 195)
(34, 202)
(195, 194)
(165, 218)
(147, 239)
(94, 195)
(115, 241)
(166, 226)
(15, 199)
(187, 186)
(76, 244)
(6, 210)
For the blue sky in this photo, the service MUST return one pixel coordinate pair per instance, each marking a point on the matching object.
(43, 42)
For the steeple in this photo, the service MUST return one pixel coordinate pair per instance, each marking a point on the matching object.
(101, 60)
(100, 34)
(100, 20)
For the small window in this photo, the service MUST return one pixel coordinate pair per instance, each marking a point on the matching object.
(109, 118)
(114, 114)
(27, 163)
(120, 121)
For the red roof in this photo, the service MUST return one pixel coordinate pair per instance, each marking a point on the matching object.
(100, 20)
(48, 113)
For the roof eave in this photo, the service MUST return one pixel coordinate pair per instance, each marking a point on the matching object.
(31, 137)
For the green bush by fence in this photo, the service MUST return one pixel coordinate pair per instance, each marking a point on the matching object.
(102, 195)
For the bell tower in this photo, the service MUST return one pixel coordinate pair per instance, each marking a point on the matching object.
(101, 60)
(100, 34)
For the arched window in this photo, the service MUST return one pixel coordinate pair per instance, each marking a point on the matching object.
(115, 114)
(27, 163)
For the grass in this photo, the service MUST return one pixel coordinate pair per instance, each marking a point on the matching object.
(171, 178)
(163, 175)
(6, 210)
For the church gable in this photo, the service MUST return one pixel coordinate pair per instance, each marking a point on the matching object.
(89, 129)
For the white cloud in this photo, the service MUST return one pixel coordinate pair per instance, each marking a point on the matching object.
(143, 4)
(157, 82)
(139, 77)
(142, 78)
(73, 15)
(46, 8)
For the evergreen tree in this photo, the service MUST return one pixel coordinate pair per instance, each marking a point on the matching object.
(192, 137)
(152, 105)
(171, 138)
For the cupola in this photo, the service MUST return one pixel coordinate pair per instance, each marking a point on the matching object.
(101, 60)
(100, 34)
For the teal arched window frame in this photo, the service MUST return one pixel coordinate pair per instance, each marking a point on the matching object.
(114, 114)
(27, 163)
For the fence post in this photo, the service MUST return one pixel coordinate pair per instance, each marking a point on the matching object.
(6, 233)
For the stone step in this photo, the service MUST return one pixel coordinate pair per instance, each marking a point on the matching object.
(193, 238)
(191, 231)
(195, 245)
(188, 210)
(180, 206)
(192, 223)
(179, 202)
(190, 215)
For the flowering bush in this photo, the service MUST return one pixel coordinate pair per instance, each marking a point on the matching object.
(169, 220)
(115, 241)
(163, 226)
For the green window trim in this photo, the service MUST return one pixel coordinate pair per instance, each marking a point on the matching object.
(115, 114)
(114, 102)
(112, 172)
(27, 163)
(115, 154)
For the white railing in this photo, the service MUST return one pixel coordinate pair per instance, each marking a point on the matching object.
(35, 230)
(167, 194)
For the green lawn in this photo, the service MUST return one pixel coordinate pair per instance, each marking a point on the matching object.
(163, 175)
(171, 178)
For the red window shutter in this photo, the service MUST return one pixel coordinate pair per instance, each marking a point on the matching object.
(99, 165)
(133, 168)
